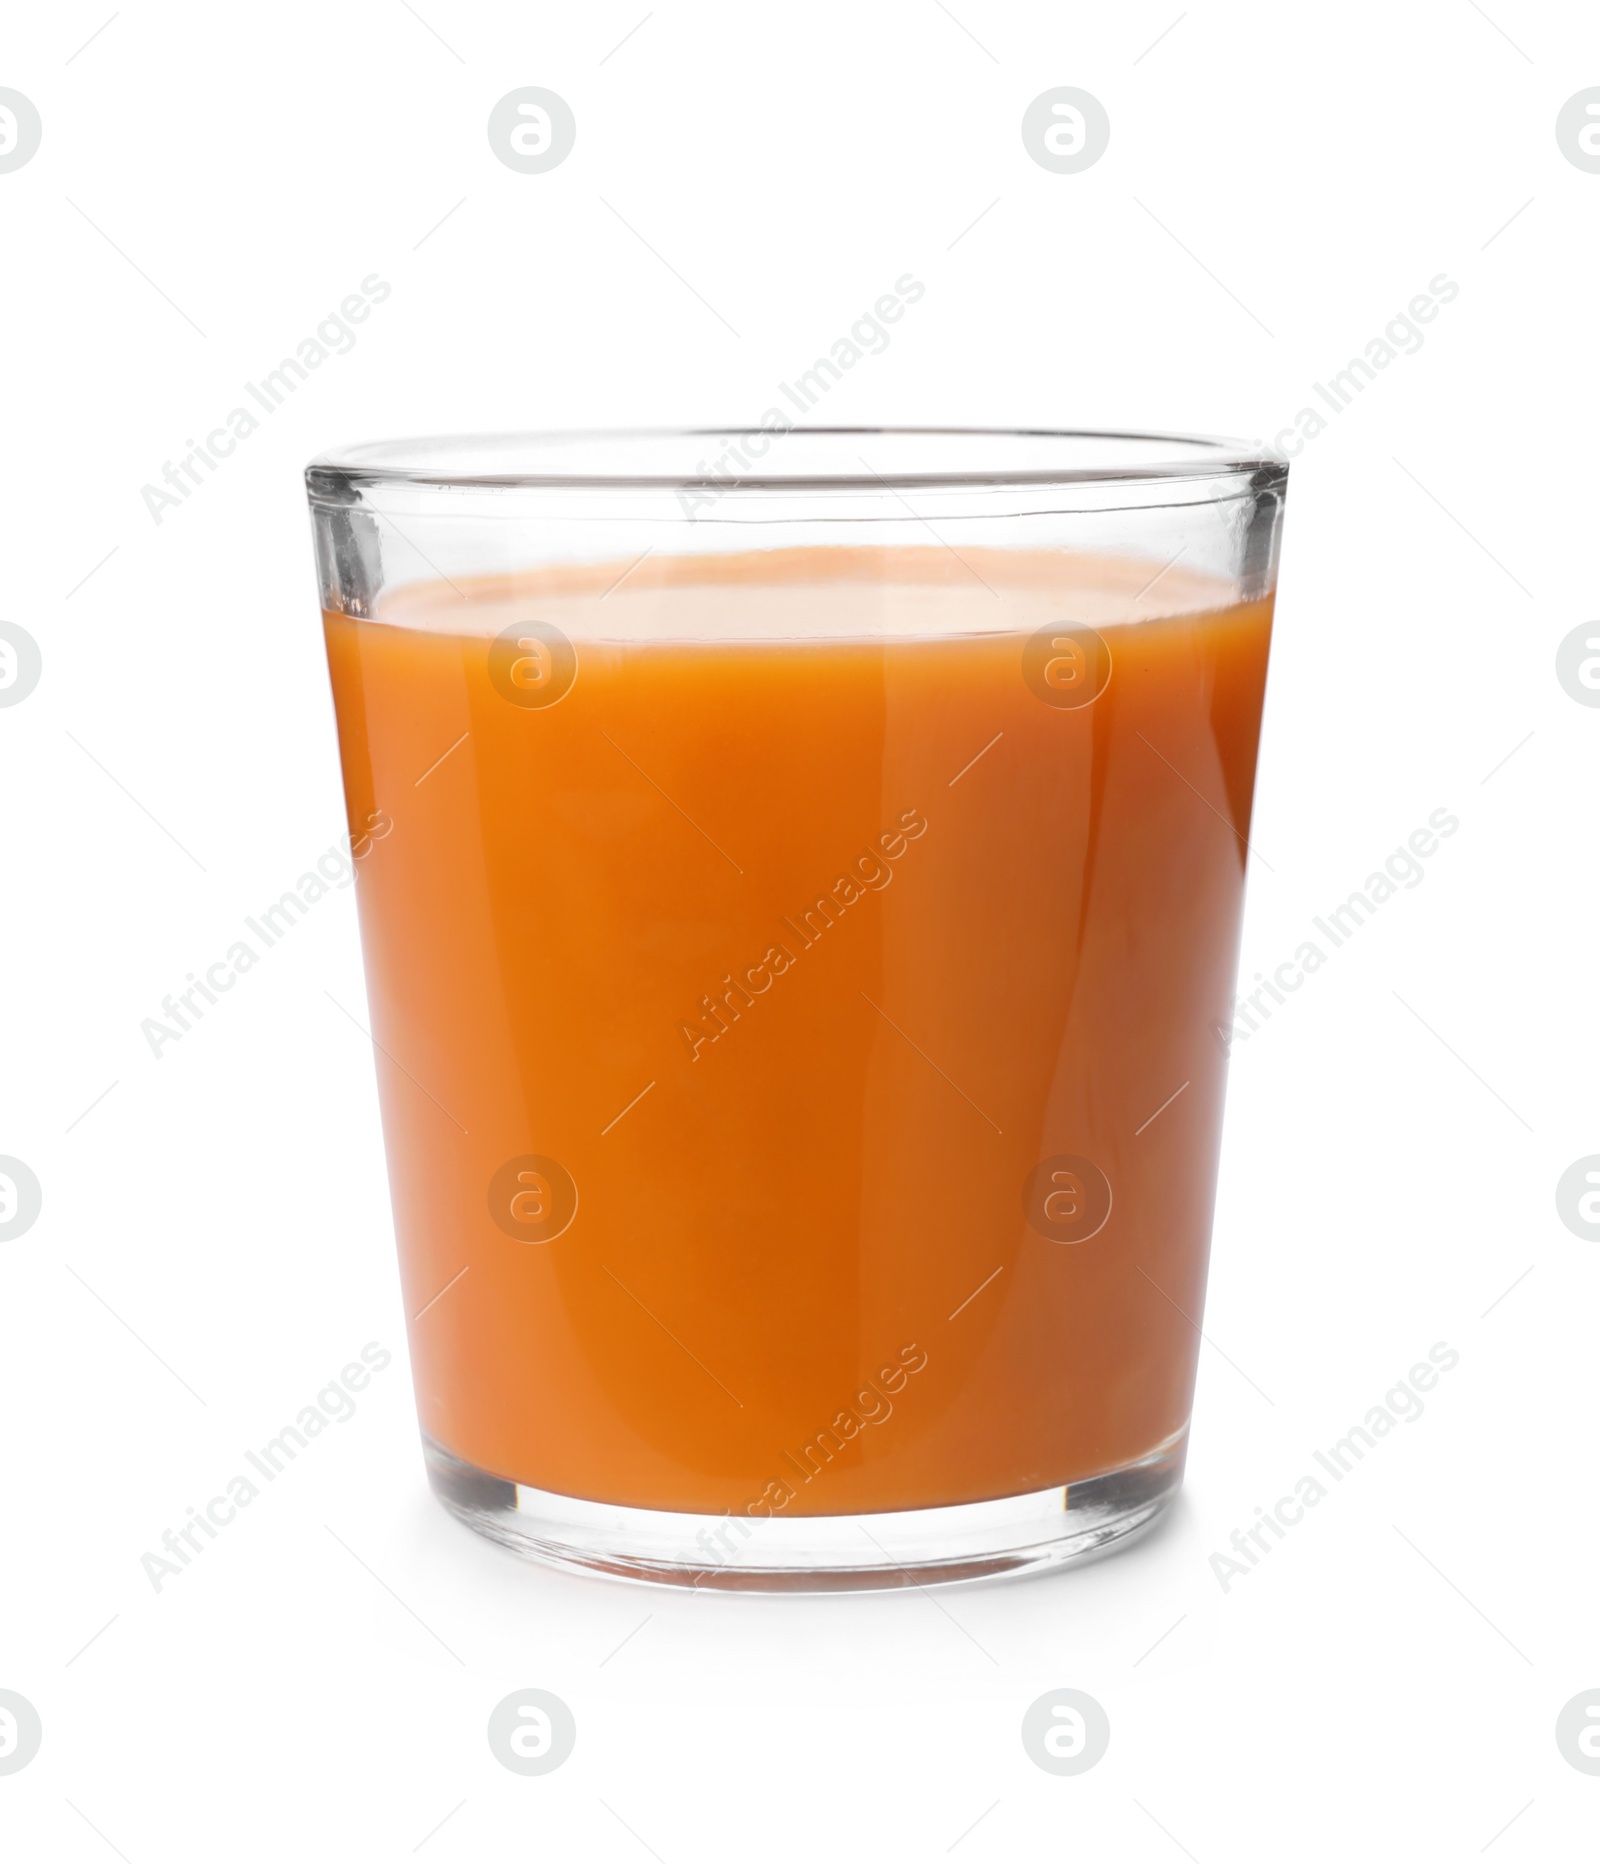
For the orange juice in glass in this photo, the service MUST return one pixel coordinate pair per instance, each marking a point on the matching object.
(795, 905)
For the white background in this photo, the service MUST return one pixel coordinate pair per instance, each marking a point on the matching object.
(215, 1237)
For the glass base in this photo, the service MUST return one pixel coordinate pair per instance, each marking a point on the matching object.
(815, 1553)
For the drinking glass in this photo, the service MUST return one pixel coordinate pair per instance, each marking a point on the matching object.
(800, 878)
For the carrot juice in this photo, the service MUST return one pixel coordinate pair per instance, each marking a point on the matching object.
(791, 975)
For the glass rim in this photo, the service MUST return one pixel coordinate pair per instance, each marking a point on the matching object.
(425, 461)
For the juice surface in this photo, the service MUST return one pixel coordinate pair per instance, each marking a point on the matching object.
(763, 971)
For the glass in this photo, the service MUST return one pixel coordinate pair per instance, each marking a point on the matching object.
(800, 878)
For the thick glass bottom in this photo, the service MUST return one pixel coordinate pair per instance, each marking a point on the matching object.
(815, 1553)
